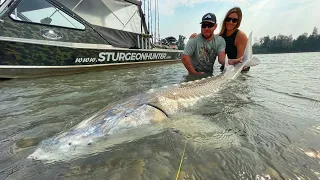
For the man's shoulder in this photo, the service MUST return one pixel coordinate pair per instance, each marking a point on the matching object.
(219, 38)
(198, 38)
(191, 46)
(192, 40)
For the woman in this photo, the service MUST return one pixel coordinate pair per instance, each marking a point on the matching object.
(236, 40)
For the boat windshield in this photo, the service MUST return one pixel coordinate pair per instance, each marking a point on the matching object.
(115, 14)
(42, 12)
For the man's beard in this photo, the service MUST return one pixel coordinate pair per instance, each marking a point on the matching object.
(208, 37)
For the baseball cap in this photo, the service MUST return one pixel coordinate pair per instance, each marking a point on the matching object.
(209, 17)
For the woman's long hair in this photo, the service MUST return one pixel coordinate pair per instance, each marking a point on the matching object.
(233, 10)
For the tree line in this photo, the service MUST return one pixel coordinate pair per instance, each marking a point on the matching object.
(286, 44)
(280, 43)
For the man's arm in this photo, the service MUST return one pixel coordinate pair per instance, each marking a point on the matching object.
(221, 50)
(188, 51)
(188, 65)
(222, 57)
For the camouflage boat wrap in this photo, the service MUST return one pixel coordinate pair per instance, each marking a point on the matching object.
(30, 49)
(32, 54)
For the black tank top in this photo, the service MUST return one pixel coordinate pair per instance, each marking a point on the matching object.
(231, 49)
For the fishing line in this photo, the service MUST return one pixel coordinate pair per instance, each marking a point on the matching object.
(182, 157)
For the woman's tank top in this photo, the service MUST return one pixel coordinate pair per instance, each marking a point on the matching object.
(231, 49)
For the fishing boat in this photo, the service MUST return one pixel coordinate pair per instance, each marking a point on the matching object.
(57, 37)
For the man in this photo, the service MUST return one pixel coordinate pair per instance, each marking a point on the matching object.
(200, 53)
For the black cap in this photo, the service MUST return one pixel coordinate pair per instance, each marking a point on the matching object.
(209, 17)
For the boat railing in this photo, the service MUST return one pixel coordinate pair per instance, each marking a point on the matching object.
(144, 41)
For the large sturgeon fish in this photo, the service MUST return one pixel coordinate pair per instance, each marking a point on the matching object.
(112, 124)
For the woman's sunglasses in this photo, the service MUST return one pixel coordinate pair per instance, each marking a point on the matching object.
(209, 25)
(234, 20)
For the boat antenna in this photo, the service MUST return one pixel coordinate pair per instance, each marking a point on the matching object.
(151, 20)
(144, 6)
(149, 17)
(141, 18)
(158, 19)
(155, 21)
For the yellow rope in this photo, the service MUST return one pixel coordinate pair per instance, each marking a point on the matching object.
(184, 150)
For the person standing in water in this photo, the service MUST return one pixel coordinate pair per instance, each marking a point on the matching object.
(236, 40)
(201, 51)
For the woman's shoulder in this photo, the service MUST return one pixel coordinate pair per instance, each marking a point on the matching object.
(241, 34)
(241, 37)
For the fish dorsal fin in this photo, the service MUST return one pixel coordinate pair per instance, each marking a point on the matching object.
(248, 51)
(226, 61)
(248, 54)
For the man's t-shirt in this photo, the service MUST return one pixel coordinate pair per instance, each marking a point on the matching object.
(203, 53)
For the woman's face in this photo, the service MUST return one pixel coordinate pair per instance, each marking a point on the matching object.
(231, 21)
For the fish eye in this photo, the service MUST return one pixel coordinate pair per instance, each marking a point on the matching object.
(70, 144)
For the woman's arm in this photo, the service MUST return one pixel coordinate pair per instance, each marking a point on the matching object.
(241, 43)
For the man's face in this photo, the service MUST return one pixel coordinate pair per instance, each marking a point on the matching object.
(207, 29)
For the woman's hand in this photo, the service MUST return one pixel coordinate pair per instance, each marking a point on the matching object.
(235, 61)
(193, 36)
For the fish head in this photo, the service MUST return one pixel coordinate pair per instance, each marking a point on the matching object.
(105, 129)
(62, 146)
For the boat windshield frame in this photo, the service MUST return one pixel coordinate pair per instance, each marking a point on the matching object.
(4, 5)
(56, 6)
(122, 24)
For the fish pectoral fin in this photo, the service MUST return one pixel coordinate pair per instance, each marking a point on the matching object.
(158, 115)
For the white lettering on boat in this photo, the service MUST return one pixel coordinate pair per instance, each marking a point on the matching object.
(112, 56)
(120, 56)
(80, 60)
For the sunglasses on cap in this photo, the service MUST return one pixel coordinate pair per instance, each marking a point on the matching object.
(234, 20)
(209, 25)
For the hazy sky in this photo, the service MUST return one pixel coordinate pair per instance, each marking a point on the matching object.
(263, 17)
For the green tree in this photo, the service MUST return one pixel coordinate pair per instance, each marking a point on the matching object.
(286, 44)
(300, 44)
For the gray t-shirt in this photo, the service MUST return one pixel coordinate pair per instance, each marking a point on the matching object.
(203, 53)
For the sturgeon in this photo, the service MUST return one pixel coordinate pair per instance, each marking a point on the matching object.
(112, 124)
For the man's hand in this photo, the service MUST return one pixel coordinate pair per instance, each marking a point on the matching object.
(197, 73)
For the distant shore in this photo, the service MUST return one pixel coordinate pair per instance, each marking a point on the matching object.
(286, 52)
(286, 44)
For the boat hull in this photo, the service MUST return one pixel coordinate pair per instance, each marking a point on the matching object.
(11, 72)
(25, 58)
(32, 46)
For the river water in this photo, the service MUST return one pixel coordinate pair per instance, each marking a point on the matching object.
(263, 125)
